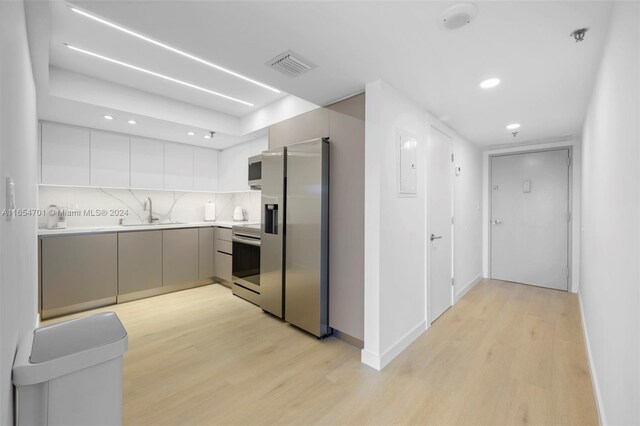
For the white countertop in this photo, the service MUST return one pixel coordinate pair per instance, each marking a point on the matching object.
(141, 227)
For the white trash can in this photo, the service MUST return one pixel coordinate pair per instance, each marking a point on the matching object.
(71, 373)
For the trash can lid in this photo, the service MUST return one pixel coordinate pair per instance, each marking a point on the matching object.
(77, 335)
(57, 350)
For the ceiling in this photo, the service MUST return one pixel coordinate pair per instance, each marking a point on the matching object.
(68, 27)
(546, 76)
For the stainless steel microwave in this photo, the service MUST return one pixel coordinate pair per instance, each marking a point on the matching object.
(255, 172)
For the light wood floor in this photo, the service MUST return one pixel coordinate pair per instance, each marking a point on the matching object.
(505, 354)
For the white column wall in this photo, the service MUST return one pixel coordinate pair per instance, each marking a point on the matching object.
(610, 254)
(18, 159)
(396, 226)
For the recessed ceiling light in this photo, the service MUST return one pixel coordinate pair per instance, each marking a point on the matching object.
(132, 122)
(513, 126)
(190, 133)
(207, 136)
(489, 83)
(108, 117)
(165, 77)
(173, 49)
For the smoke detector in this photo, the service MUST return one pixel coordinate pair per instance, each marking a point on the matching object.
(291, 64)
(457, 16)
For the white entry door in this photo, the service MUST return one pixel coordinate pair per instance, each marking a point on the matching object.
(530, 218)
(440, 212)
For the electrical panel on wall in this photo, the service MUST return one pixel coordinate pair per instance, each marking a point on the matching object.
(407, 148)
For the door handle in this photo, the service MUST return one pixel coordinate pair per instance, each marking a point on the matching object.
(250, 241)
(497, 222)
(433, 237)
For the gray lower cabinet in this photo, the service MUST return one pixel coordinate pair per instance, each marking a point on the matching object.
(179, 256)
(223, 262)
(78, 272)
(139, 261)
(205, 253)
(223, 259)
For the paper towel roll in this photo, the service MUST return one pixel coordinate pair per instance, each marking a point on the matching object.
(210, 211)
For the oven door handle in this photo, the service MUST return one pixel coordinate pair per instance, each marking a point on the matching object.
(250, 241)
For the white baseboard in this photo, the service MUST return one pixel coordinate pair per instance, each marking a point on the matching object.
(370, 359)
(380, 361)
(592, 369)
(468, 287)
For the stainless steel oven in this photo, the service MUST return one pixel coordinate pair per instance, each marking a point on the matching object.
(246, 262)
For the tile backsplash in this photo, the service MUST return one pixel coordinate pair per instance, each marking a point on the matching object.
(169, 206)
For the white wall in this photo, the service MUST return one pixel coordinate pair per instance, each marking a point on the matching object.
(396, 227)
(280, 110)
(467, 229)
(576, 182)
(18, 159)
(610, 253)
(233, 166)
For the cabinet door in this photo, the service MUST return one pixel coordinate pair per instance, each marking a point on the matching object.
(178, 167)
(205, 253)
(139, 261)
(179, 256)
(147, 164)
(205, 169)
(78, 269)
(223, 265)
(110, 155)
(65, 155)
(222, 233)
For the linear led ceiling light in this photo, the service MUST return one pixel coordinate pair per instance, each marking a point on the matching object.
(173, 49)
(166, 77)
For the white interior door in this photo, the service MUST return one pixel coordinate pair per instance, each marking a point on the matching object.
(440, 213)
(530, 218)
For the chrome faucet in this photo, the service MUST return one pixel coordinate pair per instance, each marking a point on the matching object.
(148, 202)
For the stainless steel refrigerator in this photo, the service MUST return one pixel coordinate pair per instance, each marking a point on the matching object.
(295, 235)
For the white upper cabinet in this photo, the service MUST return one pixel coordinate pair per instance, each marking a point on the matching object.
(76, 156)
(147, 163)
(65, 155)
(178, 167)
(110, 155)
(205, 169)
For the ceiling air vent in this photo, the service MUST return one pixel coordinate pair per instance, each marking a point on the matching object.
(291, 64)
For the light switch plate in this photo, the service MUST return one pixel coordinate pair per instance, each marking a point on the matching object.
(526, 186)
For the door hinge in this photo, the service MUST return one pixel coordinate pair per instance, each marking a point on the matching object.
(452, 220)
(452, 158)
(568, 161)
(568, 216)
(452, 281)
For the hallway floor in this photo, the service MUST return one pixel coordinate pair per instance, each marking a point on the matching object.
(505, 354)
